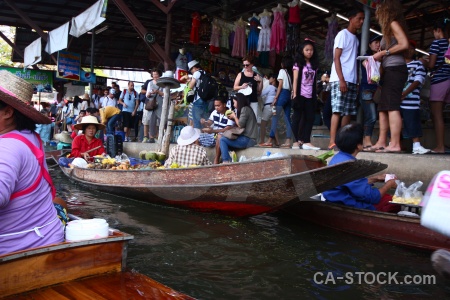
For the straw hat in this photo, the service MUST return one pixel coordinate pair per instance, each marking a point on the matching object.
(188, 135)
(64, 137)
(86, 97)
(16, 92)
(89, 120)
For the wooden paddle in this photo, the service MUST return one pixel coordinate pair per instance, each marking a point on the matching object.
(92, 149)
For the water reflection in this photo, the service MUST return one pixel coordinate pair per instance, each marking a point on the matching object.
(263, 257)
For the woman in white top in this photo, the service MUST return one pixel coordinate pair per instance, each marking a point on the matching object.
(282, 101)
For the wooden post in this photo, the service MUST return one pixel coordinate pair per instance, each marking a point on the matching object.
(166, 140)
(163, 120)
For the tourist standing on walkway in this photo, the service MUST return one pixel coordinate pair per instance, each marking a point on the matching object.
(130, 102)
(410, 107)
(366, 92)
(268, 94)
(199, 106)
(394, 75)
(304, 95)
(28, 217)
(282, 100)
(440, 82)
(344, 74)
(151, 119)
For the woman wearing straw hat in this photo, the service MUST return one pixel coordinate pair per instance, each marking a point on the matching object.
(28, 216)
(188, 151)
(86, 145)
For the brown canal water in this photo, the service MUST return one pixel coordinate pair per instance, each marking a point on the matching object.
(271, 256)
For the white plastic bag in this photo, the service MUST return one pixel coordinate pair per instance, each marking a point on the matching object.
(373, 70)
(408, 195)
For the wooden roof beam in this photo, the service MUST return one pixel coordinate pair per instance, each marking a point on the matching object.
(142, 31)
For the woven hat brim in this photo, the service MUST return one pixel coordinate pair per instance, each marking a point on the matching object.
(100, 126)
(25, 109)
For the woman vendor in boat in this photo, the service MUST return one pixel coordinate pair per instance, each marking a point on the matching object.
(244, 118)
(188, 152)
(359, 193)
(87, 145)
(28, 217)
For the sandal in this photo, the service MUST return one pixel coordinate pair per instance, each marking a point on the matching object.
(285, 146)
(266, 144)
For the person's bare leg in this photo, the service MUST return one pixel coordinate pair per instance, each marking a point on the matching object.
(335, 118)
(262, 131)
(218, 153)
(438, 121)
(346, 120)
(384, 125)
(395, 127)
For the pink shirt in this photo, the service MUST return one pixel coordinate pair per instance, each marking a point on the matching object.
(18, 217)
(306, 86)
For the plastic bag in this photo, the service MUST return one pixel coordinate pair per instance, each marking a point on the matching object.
(122, 158)
(373, 70)
(408, 195)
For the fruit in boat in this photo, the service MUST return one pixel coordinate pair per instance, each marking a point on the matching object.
(160, 156)
(142, 154)
(174, 165)
(150, 155)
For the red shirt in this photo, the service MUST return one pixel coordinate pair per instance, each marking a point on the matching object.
(80, 145)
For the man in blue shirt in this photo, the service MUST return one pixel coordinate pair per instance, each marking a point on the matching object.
(359, 193)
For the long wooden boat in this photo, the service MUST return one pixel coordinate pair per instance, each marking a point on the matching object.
(92, 269)
(238, 189)
(386, 227)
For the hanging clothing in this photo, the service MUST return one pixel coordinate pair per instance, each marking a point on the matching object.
(293, 40)
(278, 33)
(294, 14)
(264, 34)
(225, 37)
(214, 44)
(195, 37)
(239, 48)
(252, 42)
(329, 40)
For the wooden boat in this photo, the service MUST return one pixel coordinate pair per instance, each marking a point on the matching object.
(386, 227)
(237, 189)
(92, 269)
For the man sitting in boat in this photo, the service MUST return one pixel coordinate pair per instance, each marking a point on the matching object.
(219, 122)
(28, 217)
(87, 145)
(359, 193)
(188, 152)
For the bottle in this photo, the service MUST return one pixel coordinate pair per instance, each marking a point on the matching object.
(274, 110)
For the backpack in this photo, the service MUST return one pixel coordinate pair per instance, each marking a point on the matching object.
(125, 93)
(208, 87)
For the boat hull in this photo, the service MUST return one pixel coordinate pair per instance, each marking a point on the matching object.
(238, 189)
(385, 227)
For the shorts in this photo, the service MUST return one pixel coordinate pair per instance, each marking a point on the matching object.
(146, 117)
(207, 139)
(345, 104)
(440, 92)
(127, 119)
(393, 81)
(266, 113)
(412, 127)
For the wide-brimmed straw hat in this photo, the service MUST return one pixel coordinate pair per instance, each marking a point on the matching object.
(16, 92)
(188, 135)
(64, 137)
(90, 120)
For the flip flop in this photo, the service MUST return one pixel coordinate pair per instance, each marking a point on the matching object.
(285, 146)
(372, 149)
(267, 145)
(388, 151)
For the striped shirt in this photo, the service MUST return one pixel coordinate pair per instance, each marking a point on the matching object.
(416, 72)
(220, 121)
(442, 69)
